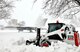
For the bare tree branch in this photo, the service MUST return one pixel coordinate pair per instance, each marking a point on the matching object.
(59, 7)
(5, 8)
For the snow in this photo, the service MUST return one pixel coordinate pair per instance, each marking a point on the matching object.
(16, 42)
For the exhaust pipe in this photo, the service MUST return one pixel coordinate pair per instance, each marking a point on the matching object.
(38, 36)
(38, 32)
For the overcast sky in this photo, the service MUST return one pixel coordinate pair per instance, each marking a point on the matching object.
(25, 11)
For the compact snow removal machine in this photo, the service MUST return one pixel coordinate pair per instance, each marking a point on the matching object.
(56, 31)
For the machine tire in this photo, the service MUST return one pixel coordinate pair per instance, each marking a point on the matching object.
(63, 35)
(45, 43)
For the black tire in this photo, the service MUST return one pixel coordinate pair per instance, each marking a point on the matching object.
(63, 36)
(46, 41)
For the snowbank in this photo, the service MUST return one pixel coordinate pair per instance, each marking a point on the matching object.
(15, 42)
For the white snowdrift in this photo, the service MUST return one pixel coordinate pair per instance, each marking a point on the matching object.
(15, 42)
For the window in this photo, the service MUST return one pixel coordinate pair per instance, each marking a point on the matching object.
(54, 26)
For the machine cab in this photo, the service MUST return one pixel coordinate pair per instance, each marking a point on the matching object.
(60, 31)
(54, 26)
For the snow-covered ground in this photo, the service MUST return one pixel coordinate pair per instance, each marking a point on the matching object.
(15, 42)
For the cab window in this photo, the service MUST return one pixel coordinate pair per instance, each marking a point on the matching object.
(54, 26)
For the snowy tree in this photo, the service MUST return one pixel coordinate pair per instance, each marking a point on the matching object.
(15, 23)
(22, 23)
(66, 9)
(58, 7)
(5, 9)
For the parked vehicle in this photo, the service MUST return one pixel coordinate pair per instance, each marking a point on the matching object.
(56, 31)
